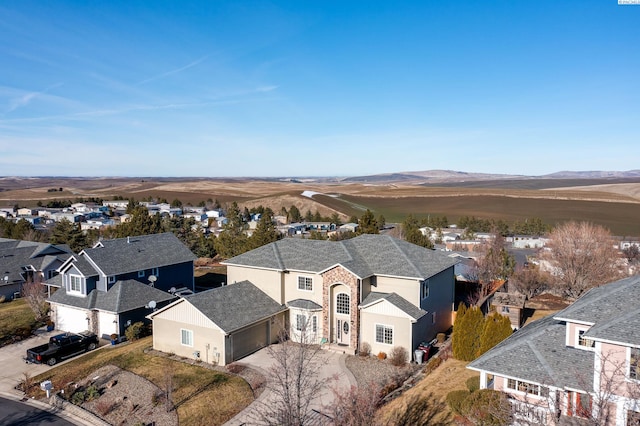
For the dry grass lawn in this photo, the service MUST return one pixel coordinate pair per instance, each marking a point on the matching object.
(16, 321)
(201, 396)
(449, 376)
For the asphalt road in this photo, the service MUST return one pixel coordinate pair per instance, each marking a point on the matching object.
(14, 413)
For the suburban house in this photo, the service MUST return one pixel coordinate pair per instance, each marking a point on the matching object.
(372, 288)
(582, 362)
(104, 287)
(510, 305)
(219, 325)
(22, 261)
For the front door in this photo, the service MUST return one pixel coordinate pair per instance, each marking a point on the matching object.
(342, 319)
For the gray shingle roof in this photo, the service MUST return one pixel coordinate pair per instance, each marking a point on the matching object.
(365, 255)
(124, 296)
(612, 309)
(398, 301)
(309, 305)
(85, 268)
(131, 254)
(537, 353)
(14, 254)
(235, 306)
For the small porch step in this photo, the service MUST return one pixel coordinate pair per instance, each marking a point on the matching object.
(341, 349)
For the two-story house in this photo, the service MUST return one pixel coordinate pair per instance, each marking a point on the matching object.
(108, 286)
(581, 363)
(372, 288)
(22, 261)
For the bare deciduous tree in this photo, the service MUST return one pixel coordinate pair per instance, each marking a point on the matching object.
(356, 406)
(495, 263)
(529, 281)
(34, 293)
(294, 382)
(582, 256)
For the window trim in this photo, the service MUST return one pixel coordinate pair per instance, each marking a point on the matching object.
(424, 288)
(579, 331)
(188, 333)
(636, 366)
(307, 280)
(301, 322)
(80, 283)
(517, 384)
(111, 279)
(155, 271)
(348, 303)
(141, 274)
(385, 327)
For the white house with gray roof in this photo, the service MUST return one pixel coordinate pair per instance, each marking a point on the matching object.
(158, 263)
(372, 288)
(581, 363)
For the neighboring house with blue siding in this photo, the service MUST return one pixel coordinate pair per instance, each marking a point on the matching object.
(22, 261)
(136, 270)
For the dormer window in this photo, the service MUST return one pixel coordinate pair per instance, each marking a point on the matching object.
(583, 341)
(75, 283)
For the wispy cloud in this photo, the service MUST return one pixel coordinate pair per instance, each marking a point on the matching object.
(173, 72)
(266, 88)
(26, 98)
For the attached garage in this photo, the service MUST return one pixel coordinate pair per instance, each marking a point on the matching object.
(247, 341)
(70, 319)
(220, 325)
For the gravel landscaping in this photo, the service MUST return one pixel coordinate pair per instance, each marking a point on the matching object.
(369, 370)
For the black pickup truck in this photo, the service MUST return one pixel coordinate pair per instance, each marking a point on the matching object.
(61, 347)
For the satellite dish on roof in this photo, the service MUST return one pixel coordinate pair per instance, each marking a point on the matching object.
(152, 280)
(151, 305)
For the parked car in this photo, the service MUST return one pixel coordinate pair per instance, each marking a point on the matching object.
(61, 347)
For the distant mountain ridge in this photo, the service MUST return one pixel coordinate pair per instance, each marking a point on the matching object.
(435, 176)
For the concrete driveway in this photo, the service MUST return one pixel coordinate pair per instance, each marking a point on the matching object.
(12, 360)
(333, 372)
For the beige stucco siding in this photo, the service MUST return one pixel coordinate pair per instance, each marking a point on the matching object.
(291, 287)
(401, 331)
(271, 282)
(407, 288)
(167, 337)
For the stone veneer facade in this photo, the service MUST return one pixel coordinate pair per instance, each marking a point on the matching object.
(340, 275)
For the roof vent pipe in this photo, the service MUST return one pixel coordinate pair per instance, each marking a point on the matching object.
(127, 240)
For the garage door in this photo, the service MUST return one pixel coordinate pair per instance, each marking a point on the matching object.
(71, 319)
(249, 340)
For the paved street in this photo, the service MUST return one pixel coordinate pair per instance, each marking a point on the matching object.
(17, 413)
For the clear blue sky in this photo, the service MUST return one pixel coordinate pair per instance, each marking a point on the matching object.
(317, 88)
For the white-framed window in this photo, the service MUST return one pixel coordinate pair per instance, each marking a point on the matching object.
(384, 334)
(301, 322)
(305, 283)
(424, 289)
(111, 279)
(155, 271)
(583, 341)
(527, 387)
(75, 283)
(186, 337)
(634, 363)
(140, 274)
(342, 304)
